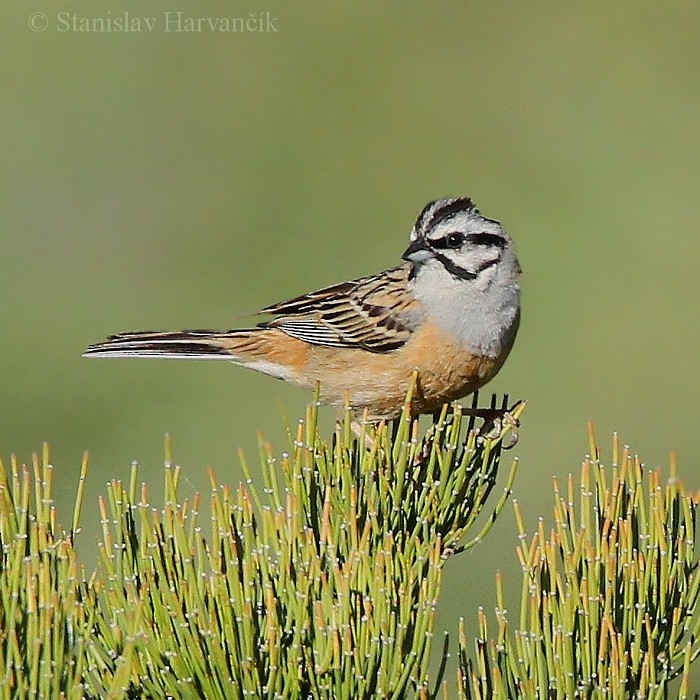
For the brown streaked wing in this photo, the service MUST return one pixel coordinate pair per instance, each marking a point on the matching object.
(375, 313)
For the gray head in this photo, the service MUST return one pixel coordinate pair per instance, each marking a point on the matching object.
(451, 236)
(466, 274)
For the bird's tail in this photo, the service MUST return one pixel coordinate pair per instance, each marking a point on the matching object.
(197, 345)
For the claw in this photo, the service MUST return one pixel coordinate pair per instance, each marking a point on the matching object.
(358, 429)
(496, 420)
(514, 435)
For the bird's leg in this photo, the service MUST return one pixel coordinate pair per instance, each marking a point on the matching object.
(495, 419)
(359, 429)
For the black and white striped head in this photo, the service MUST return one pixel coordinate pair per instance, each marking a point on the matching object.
(450, 236)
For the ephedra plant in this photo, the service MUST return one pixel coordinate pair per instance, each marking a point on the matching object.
(320, 575)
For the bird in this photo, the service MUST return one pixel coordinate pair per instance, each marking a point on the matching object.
(446, 318)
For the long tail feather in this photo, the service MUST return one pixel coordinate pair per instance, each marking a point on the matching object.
(198, 345)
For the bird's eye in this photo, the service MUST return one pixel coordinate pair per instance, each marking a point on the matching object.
(454, 240)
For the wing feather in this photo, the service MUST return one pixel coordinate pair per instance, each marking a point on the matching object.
(376, 313)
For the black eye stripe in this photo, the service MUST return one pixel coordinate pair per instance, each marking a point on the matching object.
(490, 240)
(438, 243)
(454, 239)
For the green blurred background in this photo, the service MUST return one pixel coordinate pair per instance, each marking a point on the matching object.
(171, 180)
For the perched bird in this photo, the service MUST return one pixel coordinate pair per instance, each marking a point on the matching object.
(450, 312)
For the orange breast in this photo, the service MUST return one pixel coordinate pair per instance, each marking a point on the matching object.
(379, 381)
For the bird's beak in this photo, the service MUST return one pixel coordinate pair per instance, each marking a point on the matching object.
(417, 252)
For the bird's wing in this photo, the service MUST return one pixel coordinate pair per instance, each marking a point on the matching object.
(375, 313)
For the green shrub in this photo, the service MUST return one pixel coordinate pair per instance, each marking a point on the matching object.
(324, 582)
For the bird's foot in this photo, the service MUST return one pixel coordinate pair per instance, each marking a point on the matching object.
(361, 432)
(496, 420)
